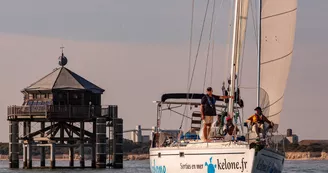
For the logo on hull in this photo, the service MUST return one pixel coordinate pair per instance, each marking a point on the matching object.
(210, 166)
(222, 164)
(158, 169)
(232, 165)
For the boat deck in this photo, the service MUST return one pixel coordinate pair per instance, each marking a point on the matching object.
(199, 144)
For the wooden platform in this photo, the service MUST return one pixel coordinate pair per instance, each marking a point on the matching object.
(54, 113)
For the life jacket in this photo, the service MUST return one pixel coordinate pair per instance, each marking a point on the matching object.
(210, 101)
(257, 119)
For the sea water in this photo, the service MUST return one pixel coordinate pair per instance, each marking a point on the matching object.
(143, 167)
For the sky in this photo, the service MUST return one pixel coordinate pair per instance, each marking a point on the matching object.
(138, 50)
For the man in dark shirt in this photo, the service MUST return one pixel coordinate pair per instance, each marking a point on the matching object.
(208, 110)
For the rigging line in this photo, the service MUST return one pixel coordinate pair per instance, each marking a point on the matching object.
(275, 102)
(241, 65)
(213, 46)
(194, 67)
(190, 42)
(209, 44)
(190, 50)
(189, 58)
(199, 43)
(183, 115)
(198, 47)
(278, 14)
(212, 61)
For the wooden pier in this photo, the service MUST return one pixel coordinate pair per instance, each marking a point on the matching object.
(64, 110)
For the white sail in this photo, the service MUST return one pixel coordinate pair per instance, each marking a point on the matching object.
(278, 24)
(243, 15)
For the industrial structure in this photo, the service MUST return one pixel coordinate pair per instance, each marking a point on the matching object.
(137, 136)
(292, 138)
(60, 106)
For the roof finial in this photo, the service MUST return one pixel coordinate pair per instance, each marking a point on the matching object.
(62, 59)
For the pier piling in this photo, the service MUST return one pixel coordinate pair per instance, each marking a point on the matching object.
(13, 145)
(82, 163)
(29, 155)
(52, 156)
(93, 147)
(101, 143)
(118, 144)
(24, 156)
(42, 149)
(71, 156)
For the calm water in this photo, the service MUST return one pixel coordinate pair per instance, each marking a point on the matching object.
(143, 167)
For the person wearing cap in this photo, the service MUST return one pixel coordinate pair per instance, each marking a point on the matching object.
(257, 121)
(229, 128)
(208, 110)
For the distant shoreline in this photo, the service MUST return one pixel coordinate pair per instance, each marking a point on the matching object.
(307, 155)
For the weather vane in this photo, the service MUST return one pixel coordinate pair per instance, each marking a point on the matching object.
(62, 48)
(62, 59)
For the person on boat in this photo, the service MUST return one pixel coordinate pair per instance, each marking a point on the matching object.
(257, 122)
(230, 128)
(208, 110)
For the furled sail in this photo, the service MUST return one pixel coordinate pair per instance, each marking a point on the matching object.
(243, 14)
(278, 24)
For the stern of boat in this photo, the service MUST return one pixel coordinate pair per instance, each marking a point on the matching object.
(268, 161)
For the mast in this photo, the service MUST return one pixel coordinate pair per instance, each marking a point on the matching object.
(258, 88)
(238, 44)
(233, 58)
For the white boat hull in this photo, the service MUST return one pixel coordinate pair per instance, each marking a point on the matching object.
(212, 158)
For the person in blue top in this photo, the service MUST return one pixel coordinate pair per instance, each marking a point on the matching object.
(208, 110)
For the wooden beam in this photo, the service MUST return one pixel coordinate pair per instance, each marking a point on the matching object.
(62, 134)
(67, 132)
(69, 139)
(78, 129)
(72, 130)
(37, 132)
(45, 139)
(53, 132)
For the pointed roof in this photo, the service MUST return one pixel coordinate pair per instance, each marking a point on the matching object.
(63, 79)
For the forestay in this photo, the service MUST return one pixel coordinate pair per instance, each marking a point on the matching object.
(277, 39)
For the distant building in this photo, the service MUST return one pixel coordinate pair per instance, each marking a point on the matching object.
(137, 137)
(291, 138)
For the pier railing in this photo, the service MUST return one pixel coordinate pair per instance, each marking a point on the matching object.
(53, 112)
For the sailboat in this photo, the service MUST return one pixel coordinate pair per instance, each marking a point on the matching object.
(276, 32)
